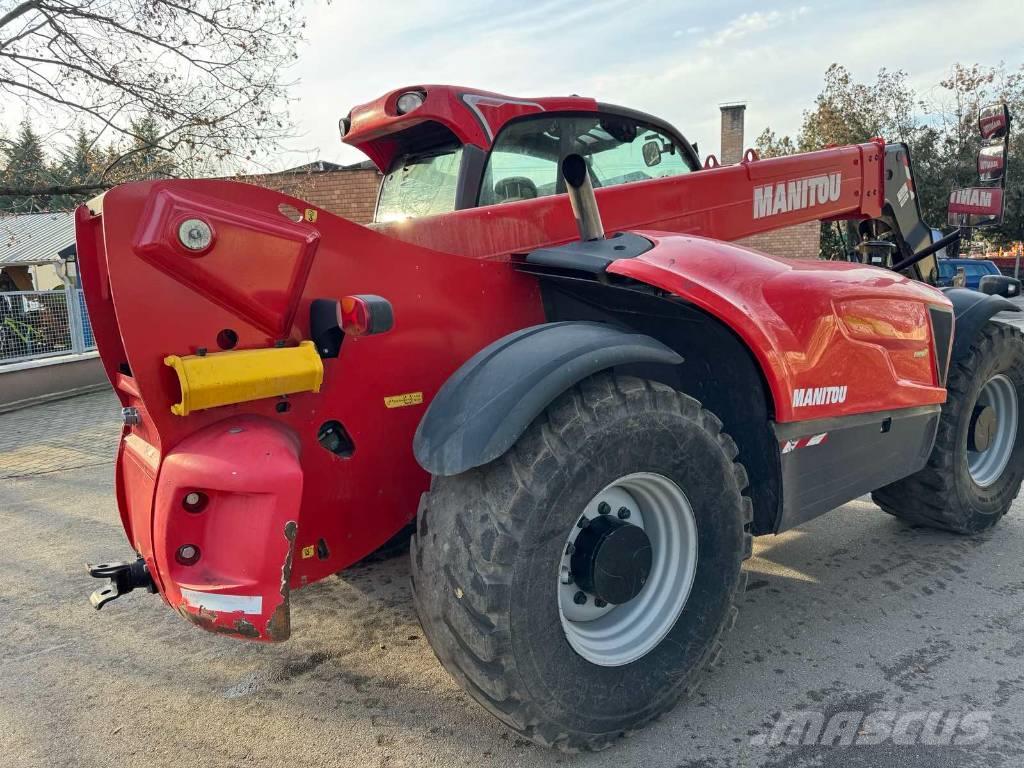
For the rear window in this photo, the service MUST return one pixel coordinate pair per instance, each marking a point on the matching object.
(524, 162)
(420, 185)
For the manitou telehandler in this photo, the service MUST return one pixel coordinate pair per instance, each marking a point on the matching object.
(548, 355)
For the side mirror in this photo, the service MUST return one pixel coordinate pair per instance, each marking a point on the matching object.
(1000, 285)
(992, 162)
(975, 207)
(994, 121)
(652, 153)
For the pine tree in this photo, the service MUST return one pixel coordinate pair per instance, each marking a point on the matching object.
(148, 160)
(79, 164)
(25, 165)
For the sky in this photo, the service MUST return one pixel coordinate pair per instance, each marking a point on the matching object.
(677, 59)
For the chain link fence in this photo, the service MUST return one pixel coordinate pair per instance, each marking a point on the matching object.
(37, 324)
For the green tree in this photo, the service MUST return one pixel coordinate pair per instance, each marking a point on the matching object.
(145, 158)
(25, 165)
(81, 164)
(770, 145)
(942, 134)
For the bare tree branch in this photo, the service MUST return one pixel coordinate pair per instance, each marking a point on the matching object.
(209, 73)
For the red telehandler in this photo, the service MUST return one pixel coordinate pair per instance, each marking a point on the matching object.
(547, 355)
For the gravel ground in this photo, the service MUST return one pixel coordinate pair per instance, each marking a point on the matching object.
(853, 612)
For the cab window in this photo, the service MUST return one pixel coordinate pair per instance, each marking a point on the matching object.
(526, 156)
(420, 185)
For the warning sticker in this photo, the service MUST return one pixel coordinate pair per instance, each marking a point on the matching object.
(310, 215)
(400, 401)
(308, 552)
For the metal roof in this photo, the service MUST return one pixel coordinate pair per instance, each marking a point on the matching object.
(36, 238)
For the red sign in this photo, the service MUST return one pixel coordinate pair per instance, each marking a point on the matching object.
(975, 206)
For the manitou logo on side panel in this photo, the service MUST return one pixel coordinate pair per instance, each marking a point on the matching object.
(786, 196)
(818, 396)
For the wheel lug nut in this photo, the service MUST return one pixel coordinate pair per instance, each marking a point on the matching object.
(604, 508)
(566, 575)
(583, 522)
(599, 603)
(580, 598)
(624, 513)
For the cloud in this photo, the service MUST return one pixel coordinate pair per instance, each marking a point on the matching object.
(747, 24)
(688, 31)
(678, 61)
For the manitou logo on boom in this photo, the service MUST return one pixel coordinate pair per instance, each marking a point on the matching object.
(818, 396)
(786, 196)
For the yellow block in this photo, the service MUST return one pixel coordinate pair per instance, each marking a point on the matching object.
(238, 376)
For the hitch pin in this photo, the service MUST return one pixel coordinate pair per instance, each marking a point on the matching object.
(124, 577)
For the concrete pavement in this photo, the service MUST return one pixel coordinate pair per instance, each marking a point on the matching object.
(852, 613)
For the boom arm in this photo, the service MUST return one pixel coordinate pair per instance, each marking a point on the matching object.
(727, 203)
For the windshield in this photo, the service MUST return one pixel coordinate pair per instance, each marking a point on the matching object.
(420, 185)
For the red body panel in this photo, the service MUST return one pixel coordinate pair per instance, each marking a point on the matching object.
(453, 289)
(249, 471)
(446, 308)
(809, 324)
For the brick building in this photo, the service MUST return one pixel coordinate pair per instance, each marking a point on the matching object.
(801, 241)
(349, 191)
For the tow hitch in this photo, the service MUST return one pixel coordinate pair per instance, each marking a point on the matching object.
(124, 577)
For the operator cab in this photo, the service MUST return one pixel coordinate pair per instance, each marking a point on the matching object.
(443, 149)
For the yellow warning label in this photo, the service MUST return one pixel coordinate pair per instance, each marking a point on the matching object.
(308, 552)
(310, 215)
(400, 401)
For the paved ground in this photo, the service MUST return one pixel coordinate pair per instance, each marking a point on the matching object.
(852, 613)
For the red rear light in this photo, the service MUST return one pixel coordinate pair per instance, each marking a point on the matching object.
(364, 315)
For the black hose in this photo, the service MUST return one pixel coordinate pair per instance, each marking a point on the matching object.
(928, 250)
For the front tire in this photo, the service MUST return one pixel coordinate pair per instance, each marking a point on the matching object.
(490, 549)
(963, 489)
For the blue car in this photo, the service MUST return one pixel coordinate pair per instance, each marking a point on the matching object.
(974, 270)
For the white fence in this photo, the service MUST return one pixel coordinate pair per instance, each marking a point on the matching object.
(37, 324)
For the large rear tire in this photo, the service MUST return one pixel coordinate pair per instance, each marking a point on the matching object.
(964, 489)
(493, 549)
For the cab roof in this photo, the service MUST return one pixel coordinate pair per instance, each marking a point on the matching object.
(453, 114)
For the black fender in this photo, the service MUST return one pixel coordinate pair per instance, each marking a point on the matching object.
(972, 310)
(493, 397)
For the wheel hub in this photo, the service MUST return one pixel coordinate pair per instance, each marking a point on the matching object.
(982, 429)
(612, 559)
(627, 567)
(992, 430)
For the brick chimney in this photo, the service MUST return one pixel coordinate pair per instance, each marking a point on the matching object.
(732, 132)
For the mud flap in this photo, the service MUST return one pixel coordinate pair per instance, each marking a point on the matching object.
(225, 518)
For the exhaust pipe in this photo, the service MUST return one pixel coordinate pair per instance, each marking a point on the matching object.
(581, 197)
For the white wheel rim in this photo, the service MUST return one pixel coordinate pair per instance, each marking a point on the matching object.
(614, 635)
(987, 466)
